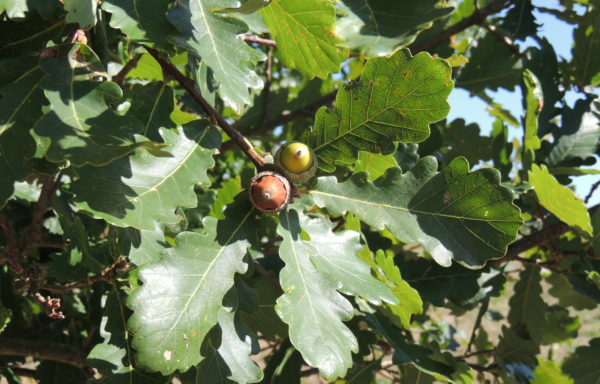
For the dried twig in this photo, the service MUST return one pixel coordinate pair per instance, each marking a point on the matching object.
(188, 85)
(259, 40)
(108, 274)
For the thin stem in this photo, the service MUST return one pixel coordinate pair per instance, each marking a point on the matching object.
(188, 85)
(108, 274)
(503, 39)
(61, 353)
(259, 40)
(482, 310)
(592, 190)
(131, 64)
(476, 18)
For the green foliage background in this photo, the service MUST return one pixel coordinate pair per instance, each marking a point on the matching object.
(423, 251)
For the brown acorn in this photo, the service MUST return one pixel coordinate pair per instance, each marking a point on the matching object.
(269, 192)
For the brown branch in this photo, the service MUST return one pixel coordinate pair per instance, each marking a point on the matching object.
(259, 40)
(50, 306)
(61, 353)
(592, 190)
(189, 86)
(476, 18)
(108, 274)
(131, 64)
(503, 39)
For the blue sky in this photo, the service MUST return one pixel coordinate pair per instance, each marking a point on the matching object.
(473, 109)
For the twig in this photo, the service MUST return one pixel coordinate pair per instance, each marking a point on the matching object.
(119, 77)
(61, 353)
(476, 353)
(108, 274)
(592, 190)
(503, 39)
(482, 310)
(267, 275)
(259, 40)
(267, 89)
(476, 17)
(188, 85)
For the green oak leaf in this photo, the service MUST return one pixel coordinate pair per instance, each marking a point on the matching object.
(334, 255)
(596, 225)
(549, 372)
(491, 66)
(152, 105)
(141, 20)
(374, 163)
(395, 99)
(527, 308)
(264, 319)
(81, 11)
(559, 200)
(81, 126)
(311, 305)
(179, 300)
(228, 348)
(303, 31)
(512, 348)
(455, 214)
(21, 104)
(533, 101)
(138, 190)
(579, 136)
(112, 357)
(409, 302)
(141, 246)
(379, 27)
(212, 37)
(586, 37)
(22, 38)
(404, 352)
(562, 289)
(520, 21)
(584, 365)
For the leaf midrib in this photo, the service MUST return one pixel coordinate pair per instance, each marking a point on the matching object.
(435, 214)
(204, 276)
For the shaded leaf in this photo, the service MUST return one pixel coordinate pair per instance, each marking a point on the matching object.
(404, 352)
(20, 107)
(141, 189)
(512, 348)
(82, 12)
(152, 105)
(558, 326)
(141, 247)
(559, 200)
(81, 127)
(584, 365)
(395, 99)
(491, 66)
(379, 27)
(179, 300)
(526, 305)
(433, 209)
(212, 37)
(586, 62)
(579, 136)
(228, 351)
(561, 288)
(19, 38)
(142, 20)
(520, 21)
(303, 31)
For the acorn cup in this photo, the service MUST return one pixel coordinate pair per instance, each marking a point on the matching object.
(297, 161)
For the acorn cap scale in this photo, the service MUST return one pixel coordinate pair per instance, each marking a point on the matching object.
(269, 192)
